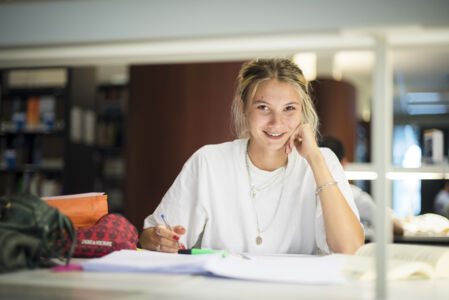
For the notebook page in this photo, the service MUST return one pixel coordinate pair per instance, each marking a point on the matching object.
(307, 269)
(150, 261)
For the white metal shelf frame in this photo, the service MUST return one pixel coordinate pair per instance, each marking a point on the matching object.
(381, 131)
(367, 171)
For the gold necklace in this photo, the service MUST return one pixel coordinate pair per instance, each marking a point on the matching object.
(253, 194)
(254, 189)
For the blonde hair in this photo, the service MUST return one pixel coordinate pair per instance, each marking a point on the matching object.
(256, 71)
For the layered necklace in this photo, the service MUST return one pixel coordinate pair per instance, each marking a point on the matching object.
(254, 190)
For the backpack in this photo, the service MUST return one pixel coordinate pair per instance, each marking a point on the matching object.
(32, 233)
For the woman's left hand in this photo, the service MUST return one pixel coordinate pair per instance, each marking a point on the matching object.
(303, 139)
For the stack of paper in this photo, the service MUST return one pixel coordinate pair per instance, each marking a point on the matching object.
(276, 268)
(308, 269)
(150, 262)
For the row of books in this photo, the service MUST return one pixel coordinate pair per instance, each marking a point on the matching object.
(29, 113)
(109, 134)
(33, 183)
(37, 78)
(20, 150)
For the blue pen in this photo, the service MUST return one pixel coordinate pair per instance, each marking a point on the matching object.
(168, 226)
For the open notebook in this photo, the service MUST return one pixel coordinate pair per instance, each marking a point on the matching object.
(277, 268)
(406, 261)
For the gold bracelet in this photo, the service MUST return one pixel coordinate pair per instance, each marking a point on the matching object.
(318, 190)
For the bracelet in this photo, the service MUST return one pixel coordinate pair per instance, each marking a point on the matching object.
(318, 190)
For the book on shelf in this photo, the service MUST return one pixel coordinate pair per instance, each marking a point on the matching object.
(33, 112)
(433, 146)
(406, 261)
(49, 187)
(114, 167)
(37, 78)
(17, 113)
(47, 111)
(52, 151)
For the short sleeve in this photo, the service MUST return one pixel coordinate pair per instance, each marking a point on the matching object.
(182, 204)
(365, 205)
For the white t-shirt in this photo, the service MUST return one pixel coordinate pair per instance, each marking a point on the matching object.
(211, 199)
(365, 205)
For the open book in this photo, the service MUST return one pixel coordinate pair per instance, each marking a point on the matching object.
(405, 261)
(409, 261)
(277, 268)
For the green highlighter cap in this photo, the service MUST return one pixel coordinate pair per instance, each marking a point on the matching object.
(195, 251)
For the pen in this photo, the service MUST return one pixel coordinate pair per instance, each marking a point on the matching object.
(195, 251)
(168, 226)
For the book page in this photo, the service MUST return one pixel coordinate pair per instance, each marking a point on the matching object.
(74, 196)
(145, 261)
(292, 269)
(305, 269)
(363, 268)
(437, 257)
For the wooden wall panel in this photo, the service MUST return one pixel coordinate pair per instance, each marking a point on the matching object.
(173, 110)
(335, 105)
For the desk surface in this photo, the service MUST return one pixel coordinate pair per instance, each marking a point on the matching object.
(440, 240)
(419, 239)
(44, 284)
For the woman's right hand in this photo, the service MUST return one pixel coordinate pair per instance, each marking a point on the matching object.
(160, 238)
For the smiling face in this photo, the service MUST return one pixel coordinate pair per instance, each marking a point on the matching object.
(273, 113)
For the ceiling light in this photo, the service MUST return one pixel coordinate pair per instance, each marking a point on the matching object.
(361, 175)
(354, 61)
(307, 62)
(414, 175)
(423, 97)
(427, 109)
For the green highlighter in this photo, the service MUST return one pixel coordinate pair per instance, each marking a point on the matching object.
(195, 251)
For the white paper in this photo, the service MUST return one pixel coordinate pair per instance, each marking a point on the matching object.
(307, 269)
(150, 262)
(84, 195)
(277, 268)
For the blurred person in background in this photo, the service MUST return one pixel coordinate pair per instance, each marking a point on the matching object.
(441, 203)
(364, 202)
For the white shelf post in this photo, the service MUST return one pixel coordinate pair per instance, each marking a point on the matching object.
(382, 128)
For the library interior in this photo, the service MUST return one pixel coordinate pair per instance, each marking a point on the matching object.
(114, 97)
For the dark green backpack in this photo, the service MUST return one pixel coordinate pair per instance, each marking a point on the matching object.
(32, 233)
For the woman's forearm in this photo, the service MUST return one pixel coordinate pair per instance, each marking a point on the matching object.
(344, 233)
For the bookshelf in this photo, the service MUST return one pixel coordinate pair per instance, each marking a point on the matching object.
(36, 150)
(32, 126)
(111, 110)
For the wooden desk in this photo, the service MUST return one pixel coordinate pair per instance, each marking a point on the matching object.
(44, 284)
(436, 240)
(423, 240)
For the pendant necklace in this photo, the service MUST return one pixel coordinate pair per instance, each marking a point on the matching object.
(254, 189)
(253, 193)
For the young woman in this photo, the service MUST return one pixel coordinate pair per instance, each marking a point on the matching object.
(273, 190)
